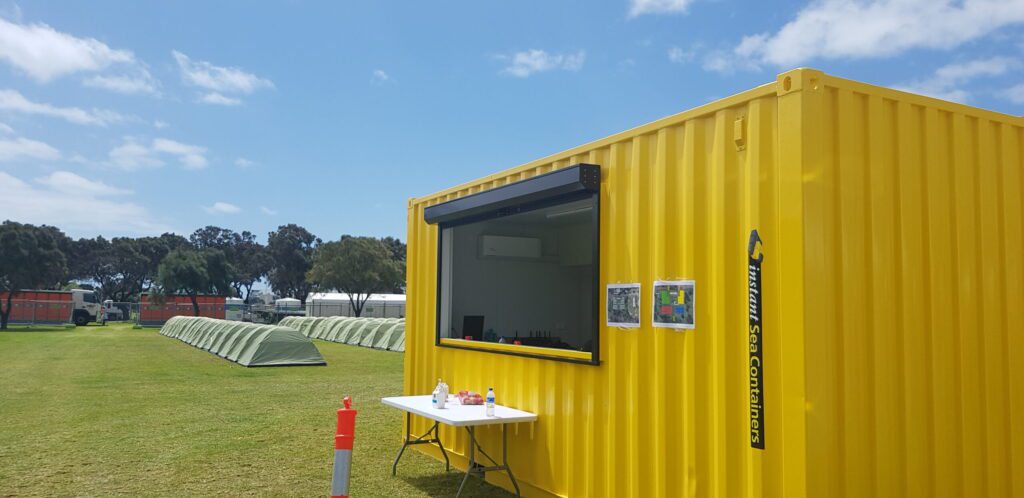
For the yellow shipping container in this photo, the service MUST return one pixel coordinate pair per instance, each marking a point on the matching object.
(891, 231)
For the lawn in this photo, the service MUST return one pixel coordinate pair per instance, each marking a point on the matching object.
(108, 410)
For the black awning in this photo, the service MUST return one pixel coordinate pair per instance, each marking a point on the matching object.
(564, 182)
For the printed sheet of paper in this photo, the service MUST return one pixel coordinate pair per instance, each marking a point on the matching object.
(623, 306)
(673, 304)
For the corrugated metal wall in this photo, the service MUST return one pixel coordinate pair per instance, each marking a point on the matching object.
(913, 251)
(665, 414)
(893, 233)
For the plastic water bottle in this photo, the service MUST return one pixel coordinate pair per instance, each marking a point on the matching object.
(490, 401)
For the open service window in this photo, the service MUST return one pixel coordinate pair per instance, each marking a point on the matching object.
(518, 268)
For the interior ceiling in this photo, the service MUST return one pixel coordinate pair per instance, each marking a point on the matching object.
(563, 214)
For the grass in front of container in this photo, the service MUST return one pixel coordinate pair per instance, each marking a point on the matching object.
(108, 410)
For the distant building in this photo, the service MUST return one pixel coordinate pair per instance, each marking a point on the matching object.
(338, 304)
(287, 304)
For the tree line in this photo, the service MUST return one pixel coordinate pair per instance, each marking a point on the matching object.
(212, 260)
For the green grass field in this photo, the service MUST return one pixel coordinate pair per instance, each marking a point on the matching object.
(108, 410)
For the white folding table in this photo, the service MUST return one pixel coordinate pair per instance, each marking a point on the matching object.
(456, 415)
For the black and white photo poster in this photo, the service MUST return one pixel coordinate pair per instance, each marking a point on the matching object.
(624, 306)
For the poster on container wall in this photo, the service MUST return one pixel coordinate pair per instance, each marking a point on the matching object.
(623, 306)
(673, 304)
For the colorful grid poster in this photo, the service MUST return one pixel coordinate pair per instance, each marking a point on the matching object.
(673, 304)
(624, 306)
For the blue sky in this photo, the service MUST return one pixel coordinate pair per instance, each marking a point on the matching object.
(134, 118)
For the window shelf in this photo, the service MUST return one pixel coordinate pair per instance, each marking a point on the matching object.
(533, 351)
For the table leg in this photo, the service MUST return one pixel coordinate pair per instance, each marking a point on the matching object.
(472, 459)
(475, 468)
(437, 437)
(407, 441)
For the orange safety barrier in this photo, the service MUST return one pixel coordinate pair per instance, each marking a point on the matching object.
(39, 307)
(152, 314)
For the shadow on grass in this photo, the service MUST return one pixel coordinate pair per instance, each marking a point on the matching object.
(446, 484)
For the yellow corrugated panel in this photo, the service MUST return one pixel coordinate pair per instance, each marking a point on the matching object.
(892, 228)
(912, 290)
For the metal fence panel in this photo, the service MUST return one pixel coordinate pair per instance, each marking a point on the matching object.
(35, 312)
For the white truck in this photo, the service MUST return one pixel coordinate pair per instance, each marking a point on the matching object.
(113, 313)
(85, 307)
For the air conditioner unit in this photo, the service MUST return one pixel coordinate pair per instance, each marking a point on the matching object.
(499, 246)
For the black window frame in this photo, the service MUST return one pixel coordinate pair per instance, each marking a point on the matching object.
(576, 183)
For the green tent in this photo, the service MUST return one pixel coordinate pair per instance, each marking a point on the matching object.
(332, 328)
(248, 344)
(356, 333)
(346, 330)
(390, 336)
(377, 333)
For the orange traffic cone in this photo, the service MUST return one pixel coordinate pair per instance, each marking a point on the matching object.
(346, 433)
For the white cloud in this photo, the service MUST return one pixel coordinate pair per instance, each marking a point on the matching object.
(72, 184)
(947, 81)
(222, 208)
(523, 64)
(133, 155)
(139, 82)
(75, 204)
(860, 29)
(379, 77)
(640, 7)
(267, 211)
(5, 128)
(23, 149)
(718, 61)
(993, 66)
(242, 162)
(726, 62)
(190, 156)
(44, 53)
(679, 55)
(218, 80)
(1015, 94)
(160, 124)
(218, 99)
(14, 101)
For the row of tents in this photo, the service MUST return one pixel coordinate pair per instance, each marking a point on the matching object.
(378, 333)
(248, 344)
(287, 343)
